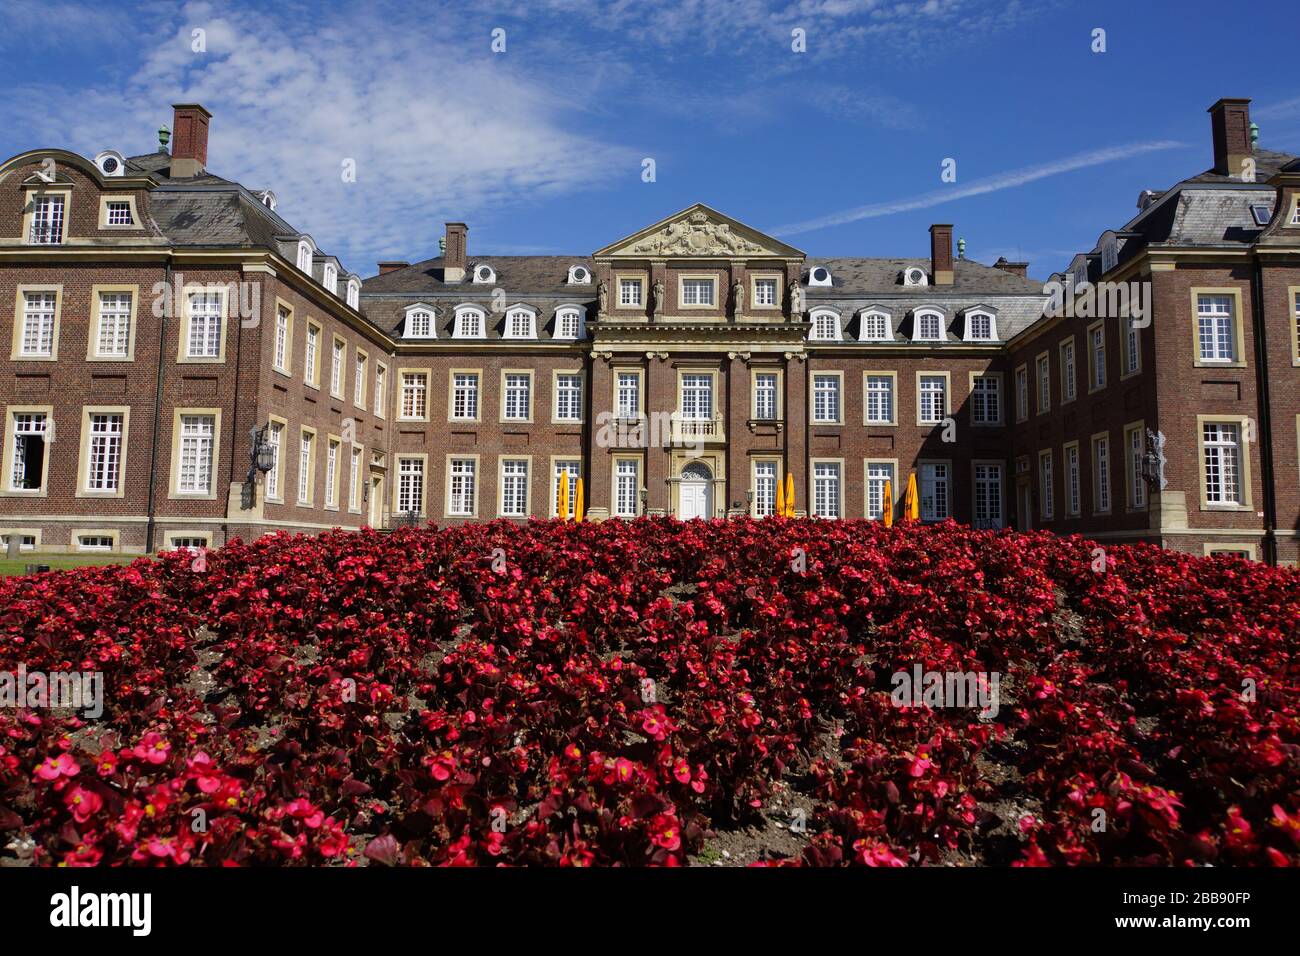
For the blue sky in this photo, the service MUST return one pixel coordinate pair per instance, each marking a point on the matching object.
(540, 148)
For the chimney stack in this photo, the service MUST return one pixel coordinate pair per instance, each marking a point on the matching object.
(1015, 268)
(941, 254)
(189, 140)
(392, 265)
(453, 253)
(1230, 123)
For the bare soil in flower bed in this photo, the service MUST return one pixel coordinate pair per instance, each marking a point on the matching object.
(659, 693)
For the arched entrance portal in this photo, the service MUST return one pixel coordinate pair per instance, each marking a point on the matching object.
(695, 493)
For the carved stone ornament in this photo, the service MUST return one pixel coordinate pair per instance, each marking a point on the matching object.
(696, 236)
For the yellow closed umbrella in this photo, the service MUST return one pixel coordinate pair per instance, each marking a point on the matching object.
(789, 494)
(562, 497)
(780, 499)
(911, 502)
(577, 502)
(887, 504)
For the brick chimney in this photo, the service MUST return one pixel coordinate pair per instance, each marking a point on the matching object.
(454, 255)
(391, 265)
(1230, 123)
(189, 140)
(1015, 268)
(941, 254)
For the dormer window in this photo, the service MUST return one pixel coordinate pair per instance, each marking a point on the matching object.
(579, 275)
(980, 327)
(819, 275)
(354, 293)
(420, 322)
(330, 280)
(304, 256)
(825, 326)
(1080, 273)
(569, 322)
(1109, 254)
(915, 277)
(469, 323)
(267, 199)
(519, 324)
(46, 228)
(875, 327)
(929, 327)
(484, 273)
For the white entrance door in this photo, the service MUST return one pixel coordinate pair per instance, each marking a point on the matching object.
(376, 501)
(695, 493)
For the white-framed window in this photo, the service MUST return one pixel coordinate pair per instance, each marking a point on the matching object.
(1046, 498)
(764, 489)
(419, 324)
(330, 278)
(1069, 378)
(697, 292)
(765, 386)
(880, 399)
(519, 324)
(629, 395)
(1101, 473)
(415, 395)
(825, 326)
(113, 337)
(630, 293)
(29, 451)
(469, 324)
(1022, 393)
(986, 400)
(381, 390)
(1221, 442)
(1136, 452)
(1216, 328)
(826, 399)
(878, 474)
(464, 396)
(980, 327)
(26, 542)
(104, 454)
(281, 338)
(518, 396)
(198, 439)
(1132, 346)
(568, 397)
(304, 256)
(94, 542)
(1109, 254)
(627, 487)
(47, 221)
(1097, 356)
(697, 396)
(988, 495)
(464, 473)
(332, 472)
(514, 487)
(337, 355)
(274, 438)
(1043, 370)
(568, 323)
(765, 293)
(573, 469)
(39, 309)
(875, 327)
(929, 327)
(309, 355)
(936, 491)
(1073, 492)
(306, 449)
(118, 212)
(359, 379)
(205, 325)
(354, 293)
(826, 489)
(354, 479)
(410, 486)
(932, 400)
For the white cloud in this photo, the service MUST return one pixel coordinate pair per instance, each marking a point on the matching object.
(977, 187)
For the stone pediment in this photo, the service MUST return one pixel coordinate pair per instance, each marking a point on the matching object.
(699, 233)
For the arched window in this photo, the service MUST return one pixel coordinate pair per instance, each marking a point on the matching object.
(469, 323)
(519, 324)
(330, 279)
(929, 326)
(825, 326)
(875, 326)
(420, 322)
(354, 293)
(304, 256)
(569, 322)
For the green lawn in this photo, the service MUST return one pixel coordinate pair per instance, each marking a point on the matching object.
(58, 562)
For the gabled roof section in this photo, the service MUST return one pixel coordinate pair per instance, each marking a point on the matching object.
(699, 232)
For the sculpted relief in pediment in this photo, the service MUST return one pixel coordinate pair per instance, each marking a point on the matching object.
(696, 235)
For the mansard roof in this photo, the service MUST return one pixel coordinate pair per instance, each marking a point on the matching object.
(519, 275)
(870, 276)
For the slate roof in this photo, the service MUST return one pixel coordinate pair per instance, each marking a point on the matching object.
(857, 276)
(519, 275)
